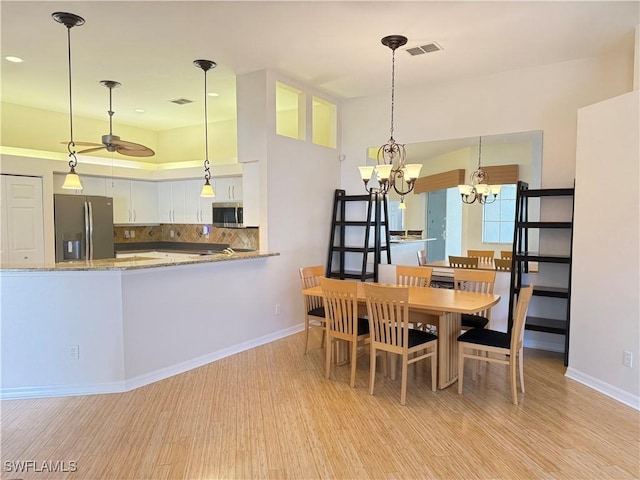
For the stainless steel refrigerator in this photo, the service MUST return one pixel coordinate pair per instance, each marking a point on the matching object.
(84, 227)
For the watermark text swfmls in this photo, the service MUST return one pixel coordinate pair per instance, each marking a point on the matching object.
(49, 466)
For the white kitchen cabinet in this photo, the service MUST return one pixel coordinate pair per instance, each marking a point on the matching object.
(227, 189)
(22, 239)
(134, 201)
(171, 201)
(91, 185)
(197, 209)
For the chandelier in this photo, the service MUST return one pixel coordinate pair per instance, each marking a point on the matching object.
(72, 180)
(479, 189)
(207, 188)
(391, 169)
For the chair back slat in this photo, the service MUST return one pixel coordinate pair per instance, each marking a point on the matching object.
(463, 262)
(388, 309)
(479, 281)
(520, 317)
(409, 276)
(340, 304)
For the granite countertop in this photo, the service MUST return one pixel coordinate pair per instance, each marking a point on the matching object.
(137, 262)
(177, 247)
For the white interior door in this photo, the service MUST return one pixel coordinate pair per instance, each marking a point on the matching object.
(22, 212)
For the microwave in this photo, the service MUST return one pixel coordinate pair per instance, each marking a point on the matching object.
(227, 215)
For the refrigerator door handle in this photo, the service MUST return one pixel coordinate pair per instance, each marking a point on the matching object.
(87, 242)
(90, 257)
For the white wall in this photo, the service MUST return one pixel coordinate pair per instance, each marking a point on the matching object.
(605, 318)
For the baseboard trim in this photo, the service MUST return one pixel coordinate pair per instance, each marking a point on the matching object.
(548, 346)
(61, 390)
(146, 379)
(603, 387)
(179, 368)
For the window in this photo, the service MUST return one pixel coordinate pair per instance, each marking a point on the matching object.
(290, 111)
(323, 123)
(498, 217)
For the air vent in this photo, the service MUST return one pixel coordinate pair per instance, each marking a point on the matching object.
(422, 49)
(181, 101)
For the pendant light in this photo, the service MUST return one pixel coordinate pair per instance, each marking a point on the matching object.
(391, 169)
(72, 180)
(478, 190)
(207, 188)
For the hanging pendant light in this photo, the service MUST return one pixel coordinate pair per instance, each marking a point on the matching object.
(207, 188)
(72, 180)
(479, 189)
(391, 169)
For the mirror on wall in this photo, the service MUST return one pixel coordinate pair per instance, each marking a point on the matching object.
(441, 214)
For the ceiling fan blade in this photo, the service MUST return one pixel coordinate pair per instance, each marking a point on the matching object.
(128, 145)
(83, 144)
(147, 152)
(88, 150)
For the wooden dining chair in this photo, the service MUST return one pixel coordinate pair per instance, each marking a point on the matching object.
(483, 256)
(422, 257)
(508, 346)
(479, 281)
(502, 264)
(341, 312)
(314, 316)
(506, 254)
(388, 310)
(463, 262)
(408, 276)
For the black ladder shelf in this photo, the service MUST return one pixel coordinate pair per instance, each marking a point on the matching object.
(521, 256)
(377, 219)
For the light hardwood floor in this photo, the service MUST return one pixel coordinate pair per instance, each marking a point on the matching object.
(270, 413)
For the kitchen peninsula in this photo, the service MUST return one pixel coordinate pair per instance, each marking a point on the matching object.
(77, 328)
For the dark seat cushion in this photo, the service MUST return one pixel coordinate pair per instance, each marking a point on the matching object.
(418, 337)
(363, 326)
(483, 336)
(317, 312)
(473, 321)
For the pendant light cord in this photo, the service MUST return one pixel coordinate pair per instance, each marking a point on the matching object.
(393, 85)
(207, 174)
(71, 146)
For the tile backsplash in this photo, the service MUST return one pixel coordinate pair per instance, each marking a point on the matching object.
(188, 233)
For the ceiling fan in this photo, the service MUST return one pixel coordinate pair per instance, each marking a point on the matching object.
(111, 142)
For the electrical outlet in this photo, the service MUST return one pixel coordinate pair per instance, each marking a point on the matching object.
(126, 234)
(627, 359)
(171, 233)
(73, 352)
(277, 309)
(133, 234)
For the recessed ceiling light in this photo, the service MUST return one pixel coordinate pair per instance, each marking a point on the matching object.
(11, 59)
(213, 94)
(138, 110)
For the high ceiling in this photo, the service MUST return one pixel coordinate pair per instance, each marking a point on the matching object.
(149, 47)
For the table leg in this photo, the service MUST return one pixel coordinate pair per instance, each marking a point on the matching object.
(448, 331)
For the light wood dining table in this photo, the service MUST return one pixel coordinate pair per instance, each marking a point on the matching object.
(447, 305)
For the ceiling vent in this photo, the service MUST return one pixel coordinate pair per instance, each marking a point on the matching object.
(181, 101)
(422, 49)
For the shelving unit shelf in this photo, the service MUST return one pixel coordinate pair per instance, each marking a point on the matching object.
(374, 224)
(521, 256)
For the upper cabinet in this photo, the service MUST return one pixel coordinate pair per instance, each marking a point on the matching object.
(134, 201)
(179, 201)
(227, 189)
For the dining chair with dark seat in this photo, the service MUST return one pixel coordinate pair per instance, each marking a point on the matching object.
(389, 329)
(479, 281)
(314, 316)
(483, 256)
(506, 254)
(463, 262)
(508, 346)
(502, 264)
(340, 299)
(409, 276)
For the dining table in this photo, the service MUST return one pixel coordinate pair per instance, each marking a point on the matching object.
(445, 304)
